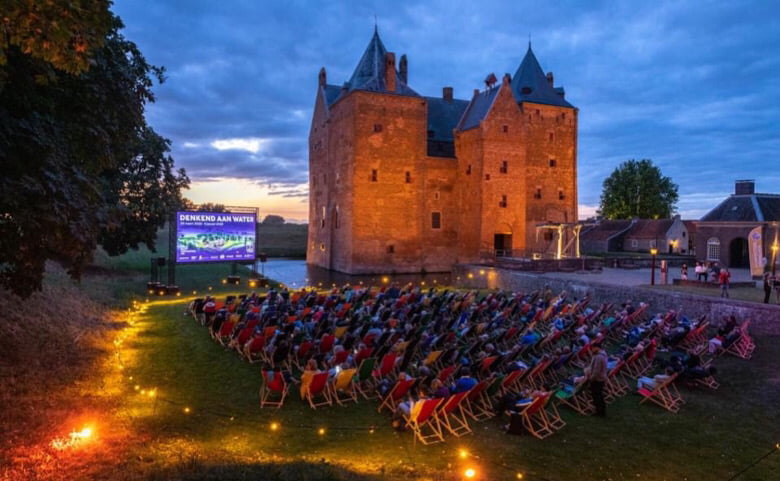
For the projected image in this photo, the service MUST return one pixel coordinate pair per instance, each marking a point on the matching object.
(215, 237)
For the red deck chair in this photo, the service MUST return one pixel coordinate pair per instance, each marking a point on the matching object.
(252, 324)
(451, 415)
(486, 365)
(386, 367)
(339, 358)
(534, 419)
(665, 395)
(477, 405)
(509, 383)
(424, 423)
(396, 394)
(318, 387)
(242, 338)
(269, 332)
(302, 354)
(615, 386)
(364, 353)
(326, 343)
(254, 349)
(273, 390)
(225, 330)
(446, 373)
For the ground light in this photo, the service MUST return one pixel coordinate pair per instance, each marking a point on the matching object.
(74, 439)
(470, 473)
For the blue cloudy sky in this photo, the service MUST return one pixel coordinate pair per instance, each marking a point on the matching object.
(692, 85)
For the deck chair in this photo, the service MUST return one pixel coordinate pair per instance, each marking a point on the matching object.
(301, 355)
(616, 385)
(533, 417)
(224, 335)
(326, 343)
(576, 398)
(386, 367)
(254, 349)
(665, 395)
(431, 358)
(509, 383)
(423, 421)
(340, 331)
(477, 405)
(365, 384)
(318, 388)
(274, 389)
(744, 346)
(452, 417)
(362, 354)
(241, 339)
(396, 394)
(343, 387)
(551, 414)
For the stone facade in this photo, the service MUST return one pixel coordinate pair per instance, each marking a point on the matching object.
(405, 183)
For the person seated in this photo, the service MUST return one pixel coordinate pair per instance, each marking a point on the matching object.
(439, 390)
(309, 371)
(650, 383)
(464, 382)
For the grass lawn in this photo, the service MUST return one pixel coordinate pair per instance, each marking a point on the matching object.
(226, 434)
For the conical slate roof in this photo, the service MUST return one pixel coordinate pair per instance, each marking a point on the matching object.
(370, 71)
(529, 84)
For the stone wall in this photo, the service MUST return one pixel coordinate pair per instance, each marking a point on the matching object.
(765, 318)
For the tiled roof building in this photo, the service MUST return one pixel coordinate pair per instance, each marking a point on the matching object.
(401, 182)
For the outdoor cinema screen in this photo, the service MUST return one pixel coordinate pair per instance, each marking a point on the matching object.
(215, 237)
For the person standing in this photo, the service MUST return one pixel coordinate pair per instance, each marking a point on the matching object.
(684, 272)
(723, 279)
(767, 287)
(597, 377)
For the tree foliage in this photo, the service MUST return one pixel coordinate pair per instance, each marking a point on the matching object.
(80, 165)
(272, 219)
(638, 189)
(210, 207)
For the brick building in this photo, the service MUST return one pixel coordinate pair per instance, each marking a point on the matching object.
(400, 182)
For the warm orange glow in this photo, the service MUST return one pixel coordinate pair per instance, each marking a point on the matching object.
(385, 280)
(482, 272)
(187, 410)
(463, 453)
(519, 475)
(321, 431)
(470, 473)
(75, 438)
(471, 276)
(274, 426)
(653, 251)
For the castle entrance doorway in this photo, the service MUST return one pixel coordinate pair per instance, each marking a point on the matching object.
(738, 253)
(502, 245)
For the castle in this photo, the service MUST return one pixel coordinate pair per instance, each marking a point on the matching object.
(400, 182)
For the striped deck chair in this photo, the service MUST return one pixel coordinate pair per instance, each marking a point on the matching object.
(616, 385)
(576, 398)
(533, 417)
(551, 413)
(396, 394)
(452, 417)
(477, 405)
(744, 346)
(423, 421)
(343, 387)
(665, 394)
(274, 389)
(318, 388)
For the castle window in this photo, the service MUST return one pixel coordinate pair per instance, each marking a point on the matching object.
(430, 134)
(436, 195)
(335, 220)
(538, 193)
(377, 127)
(322, 246)
(504, 167)
(560, 194)
(374, 175)
(505, 128)
(435, 220)
(551, 137)
(553, 163)
(408, 178)
(503, 202)
(713, 249)
(338, 177)
(548, 235)
(538, 112)
(391, 249)
(322, 219)
(468, 170)
(487, 176)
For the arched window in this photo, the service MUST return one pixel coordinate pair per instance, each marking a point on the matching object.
(713, 249)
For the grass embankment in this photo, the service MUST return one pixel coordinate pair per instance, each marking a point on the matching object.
(65, 372)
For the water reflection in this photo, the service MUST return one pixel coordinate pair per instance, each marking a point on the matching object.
(296, 273)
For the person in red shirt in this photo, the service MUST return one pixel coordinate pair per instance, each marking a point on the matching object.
(723, 280)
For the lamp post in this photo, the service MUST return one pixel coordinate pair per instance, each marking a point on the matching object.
(653, 253)
(774, 258)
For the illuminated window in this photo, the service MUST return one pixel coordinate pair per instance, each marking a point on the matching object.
(322, 219)
(435, 220)
(322, 246)
(713, 249)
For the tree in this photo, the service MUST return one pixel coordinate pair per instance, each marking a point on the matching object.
(272, 219)
(209, 207)
(638, 189)
(80, 165)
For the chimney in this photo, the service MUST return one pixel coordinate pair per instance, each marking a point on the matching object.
(476, 92)
(550, 78)
(323, 78)
(390, 71)
(507, 79)
(745, 187)
(404, 69)
(446, 94)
